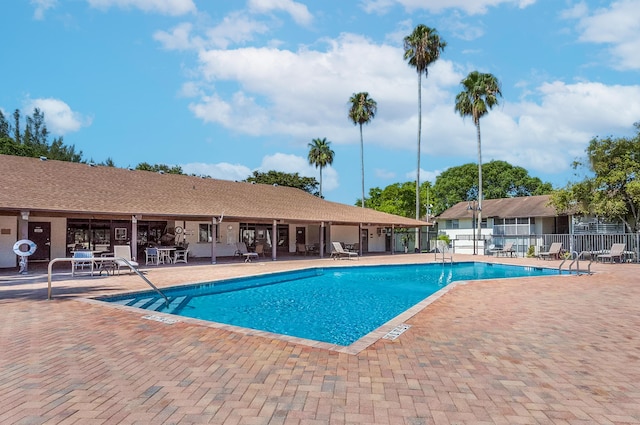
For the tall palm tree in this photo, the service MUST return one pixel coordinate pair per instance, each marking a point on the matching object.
(363, 110)
(320, 155)
(421, 48)
(480, 93)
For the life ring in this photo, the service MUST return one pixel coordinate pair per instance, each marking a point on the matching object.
(32, 247)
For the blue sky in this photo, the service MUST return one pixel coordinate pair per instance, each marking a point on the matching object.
(225, 88)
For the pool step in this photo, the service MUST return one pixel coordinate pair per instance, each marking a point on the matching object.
(156, 304)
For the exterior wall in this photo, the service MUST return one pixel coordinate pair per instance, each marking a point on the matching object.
(376, 241)
(58, 236)
(226, 245)
(8, 237)
(344, 234)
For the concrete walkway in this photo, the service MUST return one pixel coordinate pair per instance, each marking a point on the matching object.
(552, 350)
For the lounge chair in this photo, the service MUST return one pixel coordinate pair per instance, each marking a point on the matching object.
(301, 249)
(554, 252)
(339, 252)
(506, 249)
(260, 250)
(124, 252)
(616, 251)
(242, 251)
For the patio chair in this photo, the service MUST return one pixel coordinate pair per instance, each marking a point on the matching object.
(180, 256)
(506, 249)
(301, 249)
(340, 252)
(151, 255)
(554, 252)
(260, 250)
(616, 251)
(124, 251)
(80, 265)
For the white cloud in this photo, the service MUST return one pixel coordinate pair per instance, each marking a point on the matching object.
(165, 7)
(384, 174)
(41, 6)
(298, 11)
(222, 170)
(617, 26)
(59, 117)
(470, 7)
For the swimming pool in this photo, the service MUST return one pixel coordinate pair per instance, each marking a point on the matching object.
(337, 305)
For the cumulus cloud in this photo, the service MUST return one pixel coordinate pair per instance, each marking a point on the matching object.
(298, 11)
(59, 117)
(436, 6)
(617, 26)
(165, 7)
(222, 170)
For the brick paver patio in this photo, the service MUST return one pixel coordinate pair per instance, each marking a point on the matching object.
(553, 350)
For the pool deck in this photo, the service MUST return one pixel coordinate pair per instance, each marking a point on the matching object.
(544, 350)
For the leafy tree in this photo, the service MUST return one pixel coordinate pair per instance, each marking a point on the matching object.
(398, 199)
(457, 184)
(34, 141)
(363, 109)
(422, 48)
(174, 169)
(320, 155)
(480, 93)
(308, 184)
(612, 188)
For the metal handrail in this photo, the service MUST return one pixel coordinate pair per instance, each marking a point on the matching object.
(576, 260)
(99, 260)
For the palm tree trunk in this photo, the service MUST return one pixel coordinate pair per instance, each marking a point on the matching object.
(321, 197)
(362, 163)
(479, 180)
(418, 168)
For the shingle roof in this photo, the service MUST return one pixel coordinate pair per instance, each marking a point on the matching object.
(72, 188)
(526, 206)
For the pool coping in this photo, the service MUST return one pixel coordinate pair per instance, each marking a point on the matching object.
(352, 349)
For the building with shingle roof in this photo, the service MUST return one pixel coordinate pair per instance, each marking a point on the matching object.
(69, 206)
(521, 220)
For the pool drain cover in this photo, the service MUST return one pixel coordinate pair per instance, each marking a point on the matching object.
(396, 332)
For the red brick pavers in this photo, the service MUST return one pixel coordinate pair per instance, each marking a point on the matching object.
(556, 350)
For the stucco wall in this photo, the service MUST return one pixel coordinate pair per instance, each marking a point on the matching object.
(8, 237)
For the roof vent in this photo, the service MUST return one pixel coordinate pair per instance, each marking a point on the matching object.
(160, 172)
(130, 169)
(91, 164)
(43, 158)
(275, 185)
(253, 182)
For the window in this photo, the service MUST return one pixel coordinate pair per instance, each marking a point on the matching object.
(452, 224)
(204, 232)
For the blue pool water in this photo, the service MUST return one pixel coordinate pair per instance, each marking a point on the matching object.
(335, 305)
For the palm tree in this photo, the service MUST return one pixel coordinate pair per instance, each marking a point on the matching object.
(363, 110)
(421, 48)
(480, 94)
(320, 155)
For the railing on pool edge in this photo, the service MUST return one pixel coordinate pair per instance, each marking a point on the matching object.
(576, 260)
(100, 260)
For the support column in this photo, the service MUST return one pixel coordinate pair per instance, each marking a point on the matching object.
(360, 239)
(134, 238)
(214, 238)
(274, 239)
(322, 230)
(393, 239)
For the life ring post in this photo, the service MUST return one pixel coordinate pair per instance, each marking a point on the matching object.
(24, 254)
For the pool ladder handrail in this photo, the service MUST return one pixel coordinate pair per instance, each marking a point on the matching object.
(576, 260)
(100, 260)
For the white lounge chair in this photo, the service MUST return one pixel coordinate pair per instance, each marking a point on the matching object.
(340, 252)
(124, 251)
(242, 251)
(554, 251)
(616, 251)
(506, 249)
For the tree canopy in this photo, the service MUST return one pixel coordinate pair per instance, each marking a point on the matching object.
(611, 188)
(502, 180)
(308, 184)
(169, 169)
(33, 140)
(398, 198)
